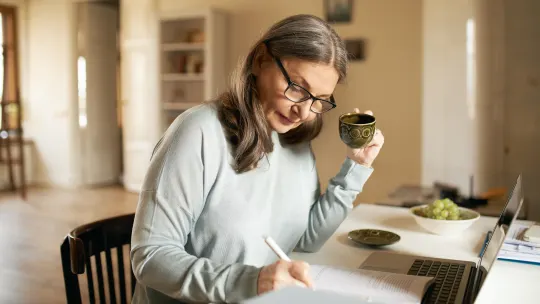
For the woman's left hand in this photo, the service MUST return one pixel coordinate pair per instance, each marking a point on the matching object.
(365, 156)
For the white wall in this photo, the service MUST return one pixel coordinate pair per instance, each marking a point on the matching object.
(522, 98)
(491, 131)
(448, 110)
(140, 82)
(51, 113)
(489, 96)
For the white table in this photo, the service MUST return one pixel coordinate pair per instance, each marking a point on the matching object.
(507, 282)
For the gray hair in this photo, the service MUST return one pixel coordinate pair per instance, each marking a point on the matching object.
(309, 38)
(303, 37)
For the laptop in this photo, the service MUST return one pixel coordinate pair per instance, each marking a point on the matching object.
(456, 281)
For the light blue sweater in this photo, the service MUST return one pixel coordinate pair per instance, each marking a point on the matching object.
(199, 226)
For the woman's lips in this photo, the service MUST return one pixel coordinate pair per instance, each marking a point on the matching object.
(284, 120)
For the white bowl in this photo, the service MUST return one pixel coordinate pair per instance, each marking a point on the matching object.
(445, 227)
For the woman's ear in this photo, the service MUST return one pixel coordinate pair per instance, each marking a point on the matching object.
(261, 55)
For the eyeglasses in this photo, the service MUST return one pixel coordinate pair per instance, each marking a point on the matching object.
(296, 93)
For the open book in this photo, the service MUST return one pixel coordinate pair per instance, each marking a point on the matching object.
(371, 286)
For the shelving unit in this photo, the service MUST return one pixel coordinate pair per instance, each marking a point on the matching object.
(192, 59)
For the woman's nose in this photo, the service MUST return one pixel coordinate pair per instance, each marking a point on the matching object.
(302, 109)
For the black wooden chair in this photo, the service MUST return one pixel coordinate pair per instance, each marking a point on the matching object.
(102, 249)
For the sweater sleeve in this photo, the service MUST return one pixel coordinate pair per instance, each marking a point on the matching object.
(330, 209)
(173, 195)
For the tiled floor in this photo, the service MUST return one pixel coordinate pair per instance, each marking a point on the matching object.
(31, 233)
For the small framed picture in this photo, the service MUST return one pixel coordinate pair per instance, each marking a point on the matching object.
(355, 49)
(338, 11)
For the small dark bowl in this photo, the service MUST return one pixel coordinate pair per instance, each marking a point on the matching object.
(373, 237)
(356, 130)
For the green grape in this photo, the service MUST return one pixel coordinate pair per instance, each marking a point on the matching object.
(442, 209)
(439, 204)
(454, 217)
(444, 213)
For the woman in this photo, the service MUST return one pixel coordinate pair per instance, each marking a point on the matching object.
(229, 172)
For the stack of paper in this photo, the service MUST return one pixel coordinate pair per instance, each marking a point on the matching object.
(516, 249)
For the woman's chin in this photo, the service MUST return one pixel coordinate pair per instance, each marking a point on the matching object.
(280, 128)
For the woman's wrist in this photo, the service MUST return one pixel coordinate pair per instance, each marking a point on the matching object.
(362, 163)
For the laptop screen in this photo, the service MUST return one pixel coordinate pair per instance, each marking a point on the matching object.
(499, 233)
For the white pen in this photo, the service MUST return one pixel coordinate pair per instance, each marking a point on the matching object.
(276, 249)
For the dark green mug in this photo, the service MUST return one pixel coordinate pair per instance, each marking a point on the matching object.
(356, 130)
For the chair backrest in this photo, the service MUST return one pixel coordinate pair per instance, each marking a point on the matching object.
(101, 249)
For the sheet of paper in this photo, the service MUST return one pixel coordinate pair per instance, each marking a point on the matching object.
(521, 249)
(518, 256)
(375, 286)
(515, 236)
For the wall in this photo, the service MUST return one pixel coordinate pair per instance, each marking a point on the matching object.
(448, 107)
(51, 112)
(481, 111)
(388, 82)
(522, 96)
(489, 102)
(140, 88)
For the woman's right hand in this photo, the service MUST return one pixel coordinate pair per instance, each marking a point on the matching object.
(282, 274)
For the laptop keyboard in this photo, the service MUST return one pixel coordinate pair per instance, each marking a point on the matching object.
(447, 279)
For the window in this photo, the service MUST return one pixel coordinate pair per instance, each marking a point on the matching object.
(1, 59)
(9, 82)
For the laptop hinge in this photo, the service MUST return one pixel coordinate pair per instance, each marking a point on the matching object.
(469, 291)
(476, 279)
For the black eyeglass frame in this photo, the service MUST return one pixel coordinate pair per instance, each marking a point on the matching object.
(292, 83)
